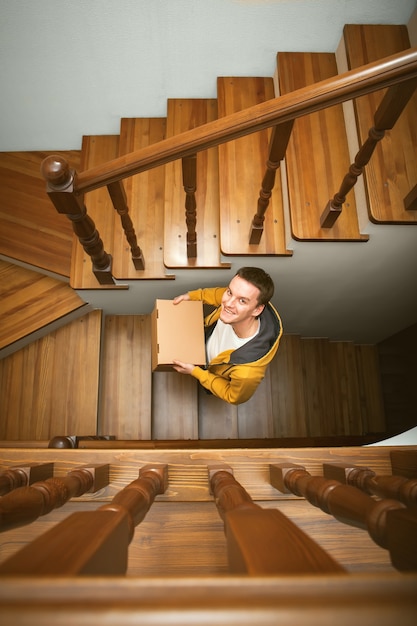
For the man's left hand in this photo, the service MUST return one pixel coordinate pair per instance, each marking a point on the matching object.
(183, 368)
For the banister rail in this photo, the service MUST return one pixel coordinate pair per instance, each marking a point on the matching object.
(349, 85)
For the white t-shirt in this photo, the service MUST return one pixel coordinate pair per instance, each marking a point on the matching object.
(224, 338)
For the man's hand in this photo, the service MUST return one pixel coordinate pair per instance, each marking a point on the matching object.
(183, 368)
(178, 299)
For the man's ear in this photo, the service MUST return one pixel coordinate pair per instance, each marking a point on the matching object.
(258, 310)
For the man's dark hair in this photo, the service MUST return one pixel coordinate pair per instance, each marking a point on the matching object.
(260, 279)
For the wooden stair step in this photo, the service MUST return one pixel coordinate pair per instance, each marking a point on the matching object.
(50, 387)
(242, 166)
(183, 115)
(392, 170)
(316, 162)
(145, 199)
(126, 383)
(96, 149)
(30, 301)
(32, 231)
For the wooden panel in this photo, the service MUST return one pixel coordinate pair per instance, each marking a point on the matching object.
(242, 166)
(183, 115)
(392, 170)
(174, 406)
(317, 157)
(32, 230)
(47, 389)
(287, 386)
(318, 392)
(95, 150)
(216, 418)
(126, 380)
(145, 198)
(346, 394)
(255, 417)
(372, 406)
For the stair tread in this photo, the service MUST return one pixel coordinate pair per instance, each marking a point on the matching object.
(126, 388)
(183, 115)
(241, 177)
(96, 149)
(30, 301)
(145, 199)
(305, 164)
(25, 205)
(392, 170)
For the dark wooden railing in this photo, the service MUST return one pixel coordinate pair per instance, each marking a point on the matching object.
(364, 478)
(383, 518)
(263, 541)
(15, 477)
(91, 542)
(25, 504)
(66, 188)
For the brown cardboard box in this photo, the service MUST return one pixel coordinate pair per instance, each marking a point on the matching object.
(177, 333)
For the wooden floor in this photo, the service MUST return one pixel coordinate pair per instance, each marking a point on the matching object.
(313, 388)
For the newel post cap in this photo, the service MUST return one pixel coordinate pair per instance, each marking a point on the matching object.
(56, 171)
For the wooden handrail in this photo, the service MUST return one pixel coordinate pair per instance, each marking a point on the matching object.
(349, 85)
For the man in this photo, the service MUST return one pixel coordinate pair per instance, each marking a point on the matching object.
(242, 335)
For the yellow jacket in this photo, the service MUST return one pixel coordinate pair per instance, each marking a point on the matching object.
(234, 375)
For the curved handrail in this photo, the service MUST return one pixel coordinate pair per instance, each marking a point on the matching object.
(352, 84)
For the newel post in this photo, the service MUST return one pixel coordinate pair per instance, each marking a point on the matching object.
(60, 188)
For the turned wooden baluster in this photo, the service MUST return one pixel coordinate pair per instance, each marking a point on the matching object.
(25, 504)
(118, 197)
(277, 148)
(351, 506)
(392, 105)
(92, 542)
(15, 477)
(189, 180)
(61, 190)
(396, 487)
(263, 541)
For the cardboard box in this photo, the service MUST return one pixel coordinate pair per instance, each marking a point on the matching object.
(177, 333)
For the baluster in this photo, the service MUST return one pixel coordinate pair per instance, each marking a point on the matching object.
(388, 112)
(263, 541)
(396, 487)
(277, 148)
(61, 190)
(118, 197)
(25, 504)
(189, 180)
(92, 542)
(15, 477)
(351, 506)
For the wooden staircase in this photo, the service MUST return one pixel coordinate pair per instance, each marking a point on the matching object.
(229, 177)
(314, 388)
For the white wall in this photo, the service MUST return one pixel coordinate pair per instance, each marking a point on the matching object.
(74, 68)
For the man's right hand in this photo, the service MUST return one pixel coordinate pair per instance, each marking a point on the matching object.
(183, 297)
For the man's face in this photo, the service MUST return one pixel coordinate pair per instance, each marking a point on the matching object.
(240, 302)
